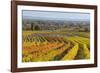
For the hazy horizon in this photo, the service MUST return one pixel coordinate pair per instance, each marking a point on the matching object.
(52, 15)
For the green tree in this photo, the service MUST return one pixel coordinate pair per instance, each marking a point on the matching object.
(36, 27)
(32, 26)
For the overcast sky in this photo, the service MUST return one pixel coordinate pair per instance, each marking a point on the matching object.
(51, 15)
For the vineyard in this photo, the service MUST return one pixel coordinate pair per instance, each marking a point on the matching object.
(41, 46)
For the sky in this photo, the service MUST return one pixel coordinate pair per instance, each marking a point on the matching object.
(52, 15)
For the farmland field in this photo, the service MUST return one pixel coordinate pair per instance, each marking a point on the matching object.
(52, 46)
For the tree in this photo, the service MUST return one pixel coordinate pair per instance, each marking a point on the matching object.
(86, 29)
(36, 27)
(32, 26)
